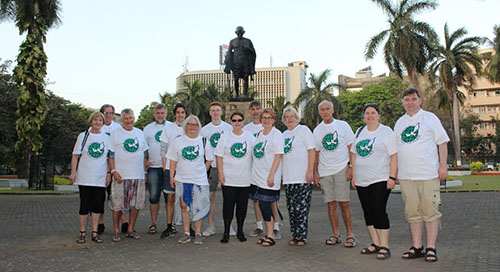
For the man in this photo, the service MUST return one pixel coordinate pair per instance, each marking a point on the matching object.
(109, 125)
(170, 132)
(422, 150)
(332, 169)
(128, 156)
(255, 127)
(152, 132)
(211, 133)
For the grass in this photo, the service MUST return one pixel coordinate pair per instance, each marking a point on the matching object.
(474, 183)
(26, 191)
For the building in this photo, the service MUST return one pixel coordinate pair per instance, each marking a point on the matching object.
(484, 100)
(269, 82)
(362, 78)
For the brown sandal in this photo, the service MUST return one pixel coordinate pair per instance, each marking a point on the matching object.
(350, 242)
(81, 237)
(333, 240)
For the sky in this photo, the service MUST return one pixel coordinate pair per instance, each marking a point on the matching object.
(127, 52)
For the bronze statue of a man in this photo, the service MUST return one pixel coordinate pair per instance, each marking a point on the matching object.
(240, 59)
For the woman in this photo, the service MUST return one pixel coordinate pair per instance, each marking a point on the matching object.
(234, 165)
(297, 174)
(89, 170)
(266, 171)
(374, 162)
(189, 178)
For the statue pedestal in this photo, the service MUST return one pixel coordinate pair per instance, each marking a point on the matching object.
(242, 107)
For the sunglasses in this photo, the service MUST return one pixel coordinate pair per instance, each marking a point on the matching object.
(236, 120)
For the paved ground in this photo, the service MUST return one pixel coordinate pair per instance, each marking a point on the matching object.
(37, 233)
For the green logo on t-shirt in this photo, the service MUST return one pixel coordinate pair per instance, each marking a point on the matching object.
(410, 134)
(365, 147)
(158, 135)
(239, 150)
(191, 152)
(107, 133)
(259, 149)
(289, 144)
(330, 141)
(131, 145)
(214, 139)
(96, 150)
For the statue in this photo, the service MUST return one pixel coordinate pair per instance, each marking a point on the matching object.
(240, 58)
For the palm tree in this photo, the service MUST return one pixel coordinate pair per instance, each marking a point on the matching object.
(317, 91)
(492, 67)
(278, 106)
(456, 62)
(34, 17)
(408, 42)
(195, 100)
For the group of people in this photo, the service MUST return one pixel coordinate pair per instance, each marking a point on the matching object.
(187, 162)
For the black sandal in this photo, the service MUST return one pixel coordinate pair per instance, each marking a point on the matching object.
(268, 241)
(367, 250)
(431, 257)
(383, 255)
(152, 229)
(350, 242)
(96, 238)
(261, 240)
(81, 237)
(417, 253)
(301, 242)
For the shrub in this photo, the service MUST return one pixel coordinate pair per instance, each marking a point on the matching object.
(476, 167)
(450, 178)
(62, 181)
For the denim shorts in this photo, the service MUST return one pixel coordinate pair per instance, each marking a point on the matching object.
(156, 183)
(167, 189)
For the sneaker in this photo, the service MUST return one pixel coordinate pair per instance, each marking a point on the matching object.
(167, 233)
(184, 239)
(256, 232)
(209, 231)
(198, 240)
(173, 230)
(277, 234)
(232, 232)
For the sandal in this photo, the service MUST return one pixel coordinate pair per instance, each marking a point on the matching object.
(152, 229)
(417, 253)
(81, 238)
(261, 240)
(333, 240)
(367, 250)
(301, 242)
(350, 242)
(116, 237)
(96, 238)
(430, 255)
(268, 242)
(133, 234)
(293, 242)
(383, 255)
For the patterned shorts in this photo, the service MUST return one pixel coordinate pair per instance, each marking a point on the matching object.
(130, 193)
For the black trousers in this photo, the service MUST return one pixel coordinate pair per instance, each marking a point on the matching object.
(234, 196)
(373, 200)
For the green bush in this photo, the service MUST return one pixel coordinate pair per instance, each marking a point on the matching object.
(450, 178)
(476, 167)
(62, 181)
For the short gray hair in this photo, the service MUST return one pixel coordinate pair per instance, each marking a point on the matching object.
(287, 109)
(160, 106)
(325, 101)
(127, 111)
(188, 119)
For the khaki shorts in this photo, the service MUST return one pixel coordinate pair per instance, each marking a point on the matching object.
(335, 187)
(422, 199)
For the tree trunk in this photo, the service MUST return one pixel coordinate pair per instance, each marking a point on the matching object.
(456, 129)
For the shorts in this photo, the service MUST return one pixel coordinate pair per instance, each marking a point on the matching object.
(130, 193)
(252, 192)
(335, 187)
(155, 184)
(422, 199)
(267, 195)
(213, 179)
(167, 189)
(91, 199)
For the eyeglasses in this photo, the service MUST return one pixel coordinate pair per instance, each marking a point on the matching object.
(267, 118)
(192, 125)
(109, 112)
(237, 120)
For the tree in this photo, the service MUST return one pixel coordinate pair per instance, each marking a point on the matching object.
(146, 116)
(168, 100)
(35, 17)
(278, 106)
(456, 63)
(408, 41)
(317, 91)
(195, 100)
(8, 95)
(492, 67)
(386, 94)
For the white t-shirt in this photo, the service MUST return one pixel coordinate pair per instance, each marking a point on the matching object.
(152, 132)
(331, 142)
(129, 147)
(264, 150)
(188, 153)
(212, 134)
(373, 151)
(170, 132)
(297, 143)
(417, 139)
(253, 128)
(93, 164)
(236, 153)
(108, 129)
